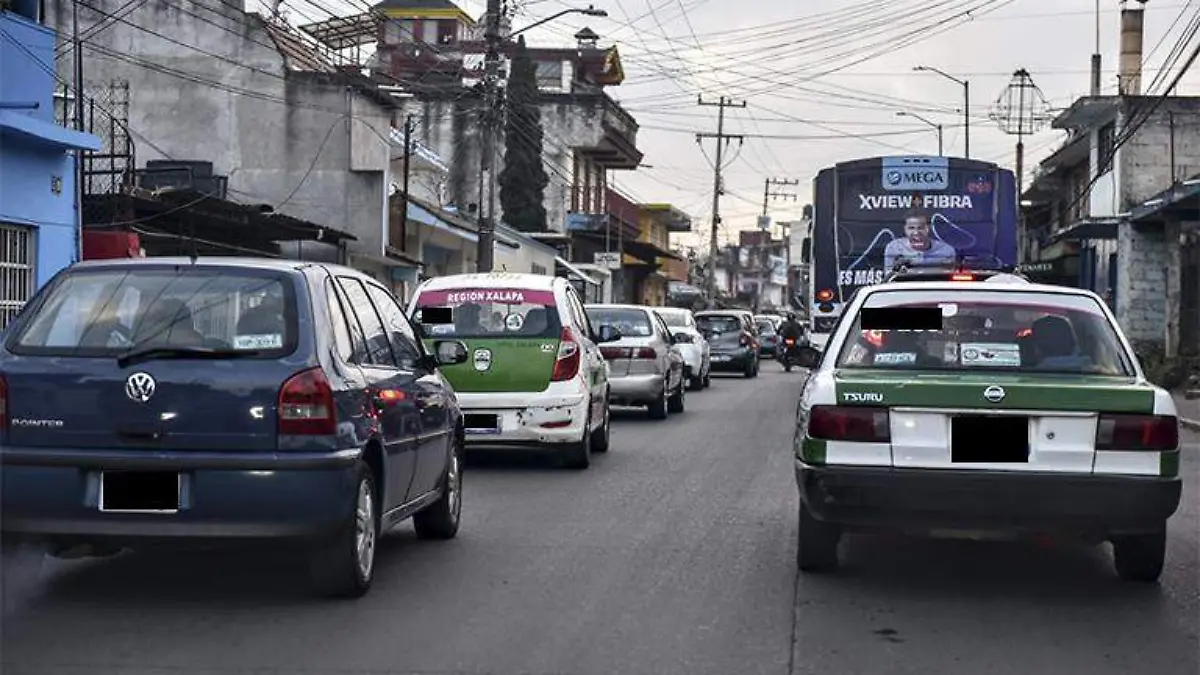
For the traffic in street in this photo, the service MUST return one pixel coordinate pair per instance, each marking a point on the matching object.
(674, 553)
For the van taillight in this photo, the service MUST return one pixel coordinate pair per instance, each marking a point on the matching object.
(3, 404)
(306, 405)
(849, 423)
(566, 366)
(1137, 432)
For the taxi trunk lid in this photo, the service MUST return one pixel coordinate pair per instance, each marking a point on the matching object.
(509, 364)
(1006, 422)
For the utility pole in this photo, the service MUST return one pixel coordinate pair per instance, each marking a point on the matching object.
(722, 138)
(777, 182)
(79, 154)
(408, 129)
(768, 195)
(491, 63)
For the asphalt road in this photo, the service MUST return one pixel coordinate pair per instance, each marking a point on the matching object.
(672, 554)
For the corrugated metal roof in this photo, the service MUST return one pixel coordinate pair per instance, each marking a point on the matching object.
(298, 54)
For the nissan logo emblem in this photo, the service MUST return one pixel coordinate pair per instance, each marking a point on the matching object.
(140, 387)
(994, 394)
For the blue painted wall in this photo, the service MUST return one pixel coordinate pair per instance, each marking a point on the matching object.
(37, 161)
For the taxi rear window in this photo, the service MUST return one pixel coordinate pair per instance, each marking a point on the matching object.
(981, 330)
(490, 313)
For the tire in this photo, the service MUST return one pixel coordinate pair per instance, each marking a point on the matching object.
(748, 371)
(440, 520)
(787, 366)
(601, 436)
(676, 401)
(344, 566)
(695, 383)
(578, 455)
(708, 379)
(658, 409)
(1140, 557)
(817, 544)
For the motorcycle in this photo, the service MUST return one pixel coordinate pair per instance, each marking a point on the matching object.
(789, 353)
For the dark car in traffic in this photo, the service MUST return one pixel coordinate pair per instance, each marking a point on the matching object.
(733, 340)
(223, 401)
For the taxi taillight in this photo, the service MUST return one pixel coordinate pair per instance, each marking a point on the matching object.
(860, 424)
(1137, 432)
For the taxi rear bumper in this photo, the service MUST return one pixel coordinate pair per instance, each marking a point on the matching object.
(923, 499)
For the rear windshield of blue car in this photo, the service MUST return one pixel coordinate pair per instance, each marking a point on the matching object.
(110, 312)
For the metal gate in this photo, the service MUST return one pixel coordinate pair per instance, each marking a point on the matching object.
(1189, 296)
(16, 270)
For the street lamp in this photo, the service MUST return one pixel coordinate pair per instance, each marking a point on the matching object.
(590, 11)
(966, 85)
(491, 73)
(936, 126)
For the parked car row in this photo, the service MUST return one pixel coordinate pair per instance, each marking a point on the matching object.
(198, 401)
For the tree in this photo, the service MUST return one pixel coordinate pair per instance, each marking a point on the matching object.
(523, 181)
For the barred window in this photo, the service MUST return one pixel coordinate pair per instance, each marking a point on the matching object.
(17, 281)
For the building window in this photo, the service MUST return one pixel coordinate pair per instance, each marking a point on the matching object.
(16, 270)
(447, 32)
(1105, 147)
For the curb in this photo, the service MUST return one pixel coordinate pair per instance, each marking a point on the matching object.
(1190, 425)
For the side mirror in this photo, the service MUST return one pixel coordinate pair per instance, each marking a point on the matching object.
(607, 333)
(449, 352)
(681, 338)
(808, 357)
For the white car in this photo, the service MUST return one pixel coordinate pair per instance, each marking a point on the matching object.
(694, 347)
(534, 375)
(981, 409)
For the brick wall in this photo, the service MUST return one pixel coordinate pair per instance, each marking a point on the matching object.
(1142, 282)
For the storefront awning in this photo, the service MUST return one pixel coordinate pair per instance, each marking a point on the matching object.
(580, 274)
(420, 214)
(1089, 228)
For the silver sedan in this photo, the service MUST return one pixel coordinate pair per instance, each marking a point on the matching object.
(645, 365)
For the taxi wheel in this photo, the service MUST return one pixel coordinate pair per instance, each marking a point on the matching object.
(578, 455)
(601, 436)
(1140, 557)
(817, 545)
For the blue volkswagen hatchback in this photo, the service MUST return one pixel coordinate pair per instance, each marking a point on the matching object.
(226, 400)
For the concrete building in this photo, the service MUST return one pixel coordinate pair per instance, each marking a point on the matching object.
(1091, 213)
(39, 213)
(285, 130)
(434, 50)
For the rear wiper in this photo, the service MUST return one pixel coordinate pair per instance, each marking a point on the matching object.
(151, 353)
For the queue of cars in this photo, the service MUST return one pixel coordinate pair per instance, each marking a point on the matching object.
(976, 404)
(178, 401)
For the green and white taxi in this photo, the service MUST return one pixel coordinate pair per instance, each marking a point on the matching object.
(535, 375)
(981, 409)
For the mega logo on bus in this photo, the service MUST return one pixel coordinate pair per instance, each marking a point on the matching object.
(915, 173)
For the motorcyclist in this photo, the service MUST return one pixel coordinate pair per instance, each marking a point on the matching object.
(791, 328)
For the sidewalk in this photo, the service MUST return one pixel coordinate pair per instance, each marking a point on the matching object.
(1189, 411)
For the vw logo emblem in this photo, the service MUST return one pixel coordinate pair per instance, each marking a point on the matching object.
(140, 387)
(894, 177)
(994, 394)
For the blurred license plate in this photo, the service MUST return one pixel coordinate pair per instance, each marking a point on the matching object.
(139, 491)
(481, 424)
(720, 357)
